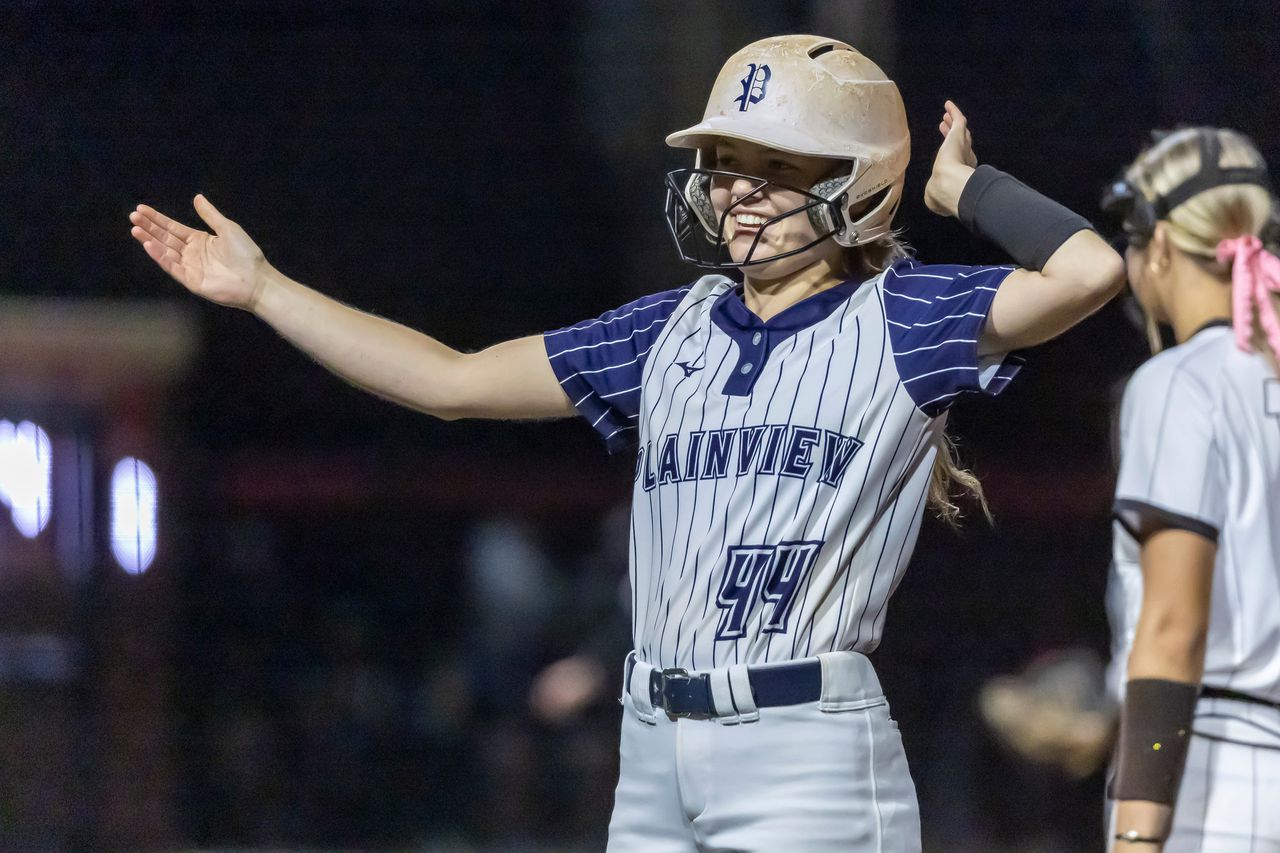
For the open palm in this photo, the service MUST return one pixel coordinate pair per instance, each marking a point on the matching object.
(225, 266)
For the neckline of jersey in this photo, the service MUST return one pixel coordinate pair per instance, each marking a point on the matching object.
(1216, 322)
(756, 339)
(731, 307)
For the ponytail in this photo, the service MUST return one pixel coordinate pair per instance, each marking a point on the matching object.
(1255, 283)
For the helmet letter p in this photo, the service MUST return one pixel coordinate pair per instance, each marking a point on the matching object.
(753, 86)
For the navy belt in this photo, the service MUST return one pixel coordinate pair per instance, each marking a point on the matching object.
(681, 694)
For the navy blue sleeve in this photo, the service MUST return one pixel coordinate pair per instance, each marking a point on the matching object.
(600, 362)
(936, 315)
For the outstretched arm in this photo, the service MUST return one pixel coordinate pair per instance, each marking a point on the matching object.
(512, 380)
(1032, 305)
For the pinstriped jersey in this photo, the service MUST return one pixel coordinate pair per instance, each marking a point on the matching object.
(781, 466)
(1200, 451)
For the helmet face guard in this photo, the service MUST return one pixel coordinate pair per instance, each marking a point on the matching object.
(805, 95)
(699, 232)
(1126, 204)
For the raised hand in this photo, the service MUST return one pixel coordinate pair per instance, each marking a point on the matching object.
(226, 266)
(953, 165)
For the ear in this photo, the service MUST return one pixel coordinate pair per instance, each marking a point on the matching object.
(1160, 248)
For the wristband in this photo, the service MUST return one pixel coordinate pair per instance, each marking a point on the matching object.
(1026, 224)
(1155, 731)
(1133, 837)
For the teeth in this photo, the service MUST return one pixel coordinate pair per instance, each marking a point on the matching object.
(749, 219)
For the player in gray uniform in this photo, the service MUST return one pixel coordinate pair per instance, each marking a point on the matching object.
(1195, 587)
(787, 428)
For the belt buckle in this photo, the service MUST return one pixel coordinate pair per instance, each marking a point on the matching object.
(660, 693)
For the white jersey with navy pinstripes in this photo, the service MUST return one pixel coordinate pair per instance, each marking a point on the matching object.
(782, 466)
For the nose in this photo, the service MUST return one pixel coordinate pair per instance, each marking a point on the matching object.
(743, 187)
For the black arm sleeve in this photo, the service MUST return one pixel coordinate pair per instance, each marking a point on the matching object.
(1155, 731)
(1026, 224)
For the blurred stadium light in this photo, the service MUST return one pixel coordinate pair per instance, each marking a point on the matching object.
(133, 515)
(25, 473)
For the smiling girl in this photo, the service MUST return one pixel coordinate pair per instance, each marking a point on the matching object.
(787, 429)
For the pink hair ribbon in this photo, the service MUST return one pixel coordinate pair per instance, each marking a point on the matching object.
(1255, 275)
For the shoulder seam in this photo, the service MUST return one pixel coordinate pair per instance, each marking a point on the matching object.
(716, 290)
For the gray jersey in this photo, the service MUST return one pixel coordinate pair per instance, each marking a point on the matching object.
(782, 466)
(1200, 451)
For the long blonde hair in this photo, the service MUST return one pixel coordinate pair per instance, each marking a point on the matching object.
(947, 473)
(876, 256)
(1199, 225)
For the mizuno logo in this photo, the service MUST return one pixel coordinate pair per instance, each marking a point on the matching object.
(754, 86)
(689, 368)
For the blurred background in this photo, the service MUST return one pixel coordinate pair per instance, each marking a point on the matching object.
(243, 605)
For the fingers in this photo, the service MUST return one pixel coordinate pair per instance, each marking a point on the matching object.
(210, 214)
(171, 225)
(154, 249)
(952, 118)
(154, 231)
(158, 253)
(169, 260)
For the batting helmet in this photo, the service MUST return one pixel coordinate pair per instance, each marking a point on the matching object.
(804, 95)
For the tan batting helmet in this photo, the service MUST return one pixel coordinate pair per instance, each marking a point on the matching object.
(818, 97)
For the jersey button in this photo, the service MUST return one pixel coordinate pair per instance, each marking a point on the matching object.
(746, 368)
(755, 339)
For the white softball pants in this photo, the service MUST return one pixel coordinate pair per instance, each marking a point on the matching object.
(822, 776)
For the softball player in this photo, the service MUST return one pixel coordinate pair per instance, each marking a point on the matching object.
(1195, 593)
(787, 432)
